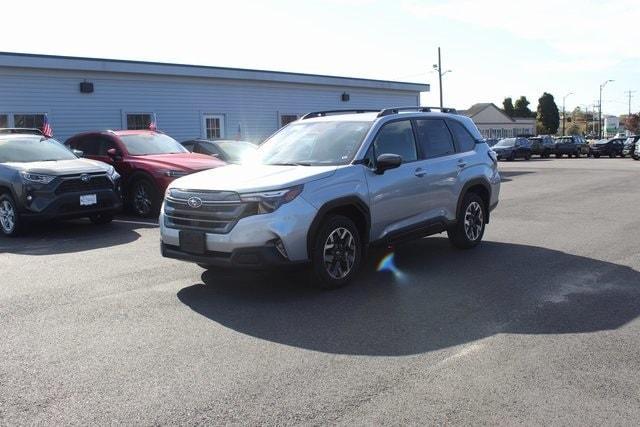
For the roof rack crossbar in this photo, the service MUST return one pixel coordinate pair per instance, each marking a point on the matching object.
(326, 112)
(25, 131)
(422, 109)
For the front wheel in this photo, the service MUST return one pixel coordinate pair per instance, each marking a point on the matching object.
(527, 157)
(558, 156)
(144, 199)
(10, 222)
(337, 252)
(470, 224)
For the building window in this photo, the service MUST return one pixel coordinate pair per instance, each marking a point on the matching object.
(136, 121)
(34, 121)
(213, 126)
(4, 121)
(285, 119)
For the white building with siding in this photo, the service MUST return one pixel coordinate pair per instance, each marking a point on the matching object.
(493, 123)
(81, 94)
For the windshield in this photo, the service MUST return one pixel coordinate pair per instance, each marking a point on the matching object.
(151, 143)
(315, 143)
(509, 142)
(237, 150)
(23, 149)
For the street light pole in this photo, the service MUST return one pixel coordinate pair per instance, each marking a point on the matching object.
(563, 110)
(438, 67)
(600, 109)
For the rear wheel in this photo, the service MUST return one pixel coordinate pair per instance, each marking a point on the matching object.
(596, 155)
(144, 199)
(470, 224)
(337, 252)
(558, 156)
(101, 218)
(612, 155)
(10, 222)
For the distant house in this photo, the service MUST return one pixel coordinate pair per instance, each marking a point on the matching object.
(494, 123)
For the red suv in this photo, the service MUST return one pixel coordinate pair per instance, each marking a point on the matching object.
(147, 160)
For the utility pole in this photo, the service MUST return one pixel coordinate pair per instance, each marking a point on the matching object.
(438, 68)
(630, 94)
(563, 110)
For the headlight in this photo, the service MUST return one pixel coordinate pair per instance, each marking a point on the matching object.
(36, 177)
(175, 174)
(269, 201)
(111, 171)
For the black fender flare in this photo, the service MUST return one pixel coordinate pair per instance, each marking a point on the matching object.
(472, 183)
(347, 201)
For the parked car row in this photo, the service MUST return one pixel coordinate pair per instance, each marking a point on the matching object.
(572, 146)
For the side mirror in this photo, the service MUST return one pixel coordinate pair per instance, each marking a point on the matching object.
(114, 154)
(385, 162)
(78, 153)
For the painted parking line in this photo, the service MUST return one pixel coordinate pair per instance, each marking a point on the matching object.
(125, 221)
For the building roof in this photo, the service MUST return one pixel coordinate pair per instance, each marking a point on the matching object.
(71, 63)
(477, 108)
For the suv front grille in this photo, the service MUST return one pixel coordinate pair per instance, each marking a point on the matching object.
(218, 213)
(74, 184)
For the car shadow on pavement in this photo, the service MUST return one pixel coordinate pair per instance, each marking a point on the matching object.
(71, 236)
(506, 176)
(438, 297)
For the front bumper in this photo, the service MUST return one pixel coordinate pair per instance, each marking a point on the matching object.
(67, 206)
(289, 224)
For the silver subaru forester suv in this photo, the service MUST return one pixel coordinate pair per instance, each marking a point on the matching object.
(324, 188)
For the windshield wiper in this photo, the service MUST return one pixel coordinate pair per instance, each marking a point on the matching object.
(291, 164)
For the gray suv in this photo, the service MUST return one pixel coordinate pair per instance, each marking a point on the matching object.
(323, 189)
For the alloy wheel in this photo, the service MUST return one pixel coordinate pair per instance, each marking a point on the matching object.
(7, 216)
(339, 253)
(142, 199)
(473, 221)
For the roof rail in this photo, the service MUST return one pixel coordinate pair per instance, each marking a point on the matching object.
(396, 110)
(24, 131)
(324, 113)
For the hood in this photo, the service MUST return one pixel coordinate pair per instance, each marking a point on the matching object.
(501, 148)
(243, 179)
(181, 161)
(61, 167)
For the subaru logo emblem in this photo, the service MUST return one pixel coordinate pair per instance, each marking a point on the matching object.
(194, 202)
(85, 178)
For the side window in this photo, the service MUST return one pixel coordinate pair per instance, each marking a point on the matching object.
(104, 144)
(463, 137)
(434, 138)
(189, 146)
(396, 138)
(87, 145)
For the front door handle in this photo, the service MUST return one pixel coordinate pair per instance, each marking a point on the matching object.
(461, 164)
(420, 172)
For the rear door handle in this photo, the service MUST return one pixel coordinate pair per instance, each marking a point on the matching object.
(462, 164)
(420, 172)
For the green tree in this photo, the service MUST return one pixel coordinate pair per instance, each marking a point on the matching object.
(574, 129)
(522, 107)
(507, 105)
(547, 117)
(632, 123)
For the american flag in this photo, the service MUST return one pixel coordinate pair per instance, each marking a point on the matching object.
(153, 125)
(47, 130)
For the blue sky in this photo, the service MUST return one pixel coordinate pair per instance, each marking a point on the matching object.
(494, 48)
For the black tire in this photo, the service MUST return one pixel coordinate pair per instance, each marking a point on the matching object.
(464, 236)
(527, 157)
(10, 222)
(577, 155)
(511, 157)
(558, 156)
(597, 155)
(101, 218)
(144, 198)
(612, 155)
(635, 157)
(346, 250)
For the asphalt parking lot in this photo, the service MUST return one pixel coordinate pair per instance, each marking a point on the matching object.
(540, 324)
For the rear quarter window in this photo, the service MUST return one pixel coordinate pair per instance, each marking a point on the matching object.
(463, 138)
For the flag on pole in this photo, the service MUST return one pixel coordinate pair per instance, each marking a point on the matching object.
(47, 130)
(153, 124)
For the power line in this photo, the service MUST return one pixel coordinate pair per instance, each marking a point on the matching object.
(630, 93)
